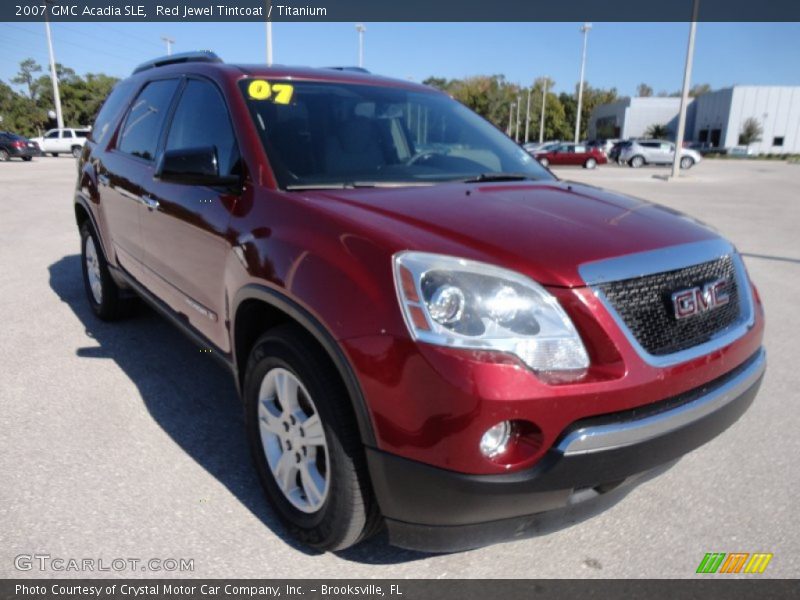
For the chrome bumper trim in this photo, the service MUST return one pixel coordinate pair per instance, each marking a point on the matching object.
(618, 435)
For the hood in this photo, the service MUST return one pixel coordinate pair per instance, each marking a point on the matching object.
(545, 230)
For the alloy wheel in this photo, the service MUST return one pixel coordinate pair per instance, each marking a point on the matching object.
(293, 440)
(93, 271)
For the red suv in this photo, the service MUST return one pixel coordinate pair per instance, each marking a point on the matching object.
(429, 331)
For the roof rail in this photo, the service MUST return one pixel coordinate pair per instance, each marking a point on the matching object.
(356, 69)
(184, 57)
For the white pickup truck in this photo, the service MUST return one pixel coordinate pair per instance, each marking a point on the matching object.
(63, 141)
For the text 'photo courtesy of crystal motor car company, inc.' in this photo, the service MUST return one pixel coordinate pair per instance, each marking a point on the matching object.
(430, 331)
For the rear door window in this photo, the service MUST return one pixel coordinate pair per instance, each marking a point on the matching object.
(145, 119)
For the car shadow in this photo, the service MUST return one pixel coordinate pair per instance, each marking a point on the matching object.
(193, 399)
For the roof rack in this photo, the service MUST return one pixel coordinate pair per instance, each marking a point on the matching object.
(184, 57)
(356, 69)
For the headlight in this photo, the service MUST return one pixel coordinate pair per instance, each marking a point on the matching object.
(466, 304)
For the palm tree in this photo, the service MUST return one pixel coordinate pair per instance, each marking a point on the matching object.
(657, 131)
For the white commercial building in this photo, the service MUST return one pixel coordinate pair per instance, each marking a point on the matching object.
(632, 117)
(715, 118)
(720, 116)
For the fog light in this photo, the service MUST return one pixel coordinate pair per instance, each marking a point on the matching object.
(495, 440)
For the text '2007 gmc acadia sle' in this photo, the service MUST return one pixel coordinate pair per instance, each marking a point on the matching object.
(430, 332)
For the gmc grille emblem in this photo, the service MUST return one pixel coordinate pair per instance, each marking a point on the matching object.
(698, 300)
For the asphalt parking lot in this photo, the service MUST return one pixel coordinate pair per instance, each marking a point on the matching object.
(125, 441)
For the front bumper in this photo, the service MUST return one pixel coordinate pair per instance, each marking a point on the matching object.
(593, 463)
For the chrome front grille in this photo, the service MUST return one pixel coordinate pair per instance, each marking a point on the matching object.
(644, 304)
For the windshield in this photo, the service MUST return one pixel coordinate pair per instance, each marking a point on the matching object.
(319, 134)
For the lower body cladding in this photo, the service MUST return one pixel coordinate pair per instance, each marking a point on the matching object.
(594, 464)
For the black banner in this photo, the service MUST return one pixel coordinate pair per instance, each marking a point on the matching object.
(711, 588)
(398, 10)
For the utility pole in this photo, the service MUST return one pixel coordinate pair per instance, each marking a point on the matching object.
(360, 29)
(168, 41)
(585, 31)
(544, 100)
(510, 119)
(53, 74)
(516, 134)
(687, 78)
(528, 116)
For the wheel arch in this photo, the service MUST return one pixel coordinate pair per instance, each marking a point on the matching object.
(257, 308)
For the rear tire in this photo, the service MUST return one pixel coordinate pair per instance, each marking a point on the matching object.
(544, 162)
(4, 156)
(76, 151)
(636, 162)
(102, 292)
(54, 154)
(27, 158)
(320, 489)
(590, 163)
(687, 162)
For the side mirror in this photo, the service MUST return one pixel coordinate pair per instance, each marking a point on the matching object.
(193, 166)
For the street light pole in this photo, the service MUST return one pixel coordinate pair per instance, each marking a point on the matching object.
(544, 100)
(510, 119)
(585, 30)
(269, 32)
(361, 29)
(528, 116)
(687, 78)
(168, 41)
(54, 75)
(516, 133)
(269, 43)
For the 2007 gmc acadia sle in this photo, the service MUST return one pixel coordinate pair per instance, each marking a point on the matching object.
(428, 329)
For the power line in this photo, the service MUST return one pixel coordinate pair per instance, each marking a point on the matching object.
(60, 40)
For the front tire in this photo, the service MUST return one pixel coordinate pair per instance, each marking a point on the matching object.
(101, 291)
(544, 162)
(687, 162)
(305, 442)
(54, 154)
(4, 156)
(590, 163)
(636, 162)
(27, 158)
(76, 151)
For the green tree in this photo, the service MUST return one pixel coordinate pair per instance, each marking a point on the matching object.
(657, 132)
(699, 89)
(644, 91)
(25, 77)
(751, 131)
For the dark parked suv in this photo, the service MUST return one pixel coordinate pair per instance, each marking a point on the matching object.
(429, 331)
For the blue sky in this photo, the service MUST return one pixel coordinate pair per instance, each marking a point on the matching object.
(619, 54)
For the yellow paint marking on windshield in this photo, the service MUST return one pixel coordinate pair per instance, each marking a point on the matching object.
(283, 92)
(259, 89)
(279, 93)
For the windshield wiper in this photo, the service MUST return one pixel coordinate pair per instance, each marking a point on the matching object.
(497, 177)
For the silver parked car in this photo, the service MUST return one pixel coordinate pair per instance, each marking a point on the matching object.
(638, 153)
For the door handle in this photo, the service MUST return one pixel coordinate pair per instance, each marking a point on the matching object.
(103, 179)
(150, 203)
